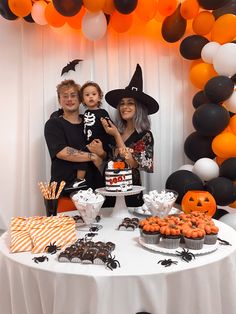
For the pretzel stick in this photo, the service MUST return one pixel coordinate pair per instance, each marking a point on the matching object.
(42, 189)
(62, 184)
(53, 187)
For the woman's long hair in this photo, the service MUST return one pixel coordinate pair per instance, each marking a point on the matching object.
(141, 120)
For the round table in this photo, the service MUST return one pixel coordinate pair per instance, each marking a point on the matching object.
(205, 285)
(120, 209)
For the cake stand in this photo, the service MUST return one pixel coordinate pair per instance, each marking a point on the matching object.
(120, 210)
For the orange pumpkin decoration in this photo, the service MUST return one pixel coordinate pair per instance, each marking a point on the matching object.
(119, 164)
(201, 201)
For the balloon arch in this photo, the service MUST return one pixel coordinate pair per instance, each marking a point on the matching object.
(212, 49)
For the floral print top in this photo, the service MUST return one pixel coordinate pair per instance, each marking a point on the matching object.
(142, 145)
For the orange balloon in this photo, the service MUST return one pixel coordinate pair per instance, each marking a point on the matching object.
(167, 7)
(232, 205)
(232, 124)
(53, 17)
(224, 29)
(146, 9)
(20, 8)
(203, 23)
(94, 6)
(109, 7)
(121, 22)
(224, 145)
(189, 9)
(76, 20)
(201, 73)
(219, 160)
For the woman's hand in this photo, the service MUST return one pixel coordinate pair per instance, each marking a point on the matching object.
(109, 127)
(96, 147)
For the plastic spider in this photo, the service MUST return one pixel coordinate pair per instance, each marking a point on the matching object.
(112, 263)
(167, 262)
(52, 248)
(89, 236)
(95, 228)
(186, 255)
(40, 259)
(98, 218)
(223, 242)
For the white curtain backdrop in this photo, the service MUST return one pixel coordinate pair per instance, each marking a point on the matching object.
(31, 59)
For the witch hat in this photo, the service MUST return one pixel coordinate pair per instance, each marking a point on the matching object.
(133, 90)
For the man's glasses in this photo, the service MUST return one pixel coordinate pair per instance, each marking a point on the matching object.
(67, 96)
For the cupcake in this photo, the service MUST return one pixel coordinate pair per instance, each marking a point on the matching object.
(193, 237)
(211, 232)
(170, 236)
(150, 233)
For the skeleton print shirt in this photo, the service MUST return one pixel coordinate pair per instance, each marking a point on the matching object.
(93, 128)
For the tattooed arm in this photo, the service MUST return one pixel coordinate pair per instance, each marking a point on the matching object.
(75, 155)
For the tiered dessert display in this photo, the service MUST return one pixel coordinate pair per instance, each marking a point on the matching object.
(118, 177)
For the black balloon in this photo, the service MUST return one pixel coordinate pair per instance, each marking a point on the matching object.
(210, 119)
(222, 189)
(199, 99)
(67, 7)
(219, 213)
(29, 18)
(183, 181)
(173, 27)
(233, 78)
(229, 8)
(228, 168)
(125, 6)
(197, 146)
(191, 46)
(219, 88)
(212, 4)
(6, 12)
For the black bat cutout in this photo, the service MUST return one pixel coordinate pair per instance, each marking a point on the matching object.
(70, 66)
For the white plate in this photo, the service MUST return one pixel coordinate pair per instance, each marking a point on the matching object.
(143, 211)
(158, 248)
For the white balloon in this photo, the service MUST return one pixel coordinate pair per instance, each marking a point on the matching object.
(230, 103)
(38, 12)
(94, 25)
(186, 167)
(209, 51)
(206, 169)
(224, 61)
(229, 219)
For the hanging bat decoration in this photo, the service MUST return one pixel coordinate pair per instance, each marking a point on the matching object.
(70, 66)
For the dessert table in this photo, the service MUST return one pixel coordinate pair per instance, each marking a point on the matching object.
(205, 285)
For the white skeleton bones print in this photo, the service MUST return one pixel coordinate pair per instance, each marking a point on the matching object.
(89, 120)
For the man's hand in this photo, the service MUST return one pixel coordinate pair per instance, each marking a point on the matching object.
(96, 160)
(96, 147)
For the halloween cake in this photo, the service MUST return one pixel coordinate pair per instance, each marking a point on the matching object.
(118, 177)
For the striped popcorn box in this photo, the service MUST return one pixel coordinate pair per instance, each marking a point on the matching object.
(18, 223)
(20, 241)
(50, 236)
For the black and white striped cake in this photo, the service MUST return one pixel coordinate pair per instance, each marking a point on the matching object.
(118, 180)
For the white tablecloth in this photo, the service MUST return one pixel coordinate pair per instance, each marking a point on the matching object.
(206, 285)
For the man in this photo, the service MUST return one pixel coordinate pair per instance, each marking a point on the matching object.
(65, 140)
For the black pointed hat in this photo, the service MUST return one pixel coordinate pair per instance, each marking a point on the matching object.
(133, 90)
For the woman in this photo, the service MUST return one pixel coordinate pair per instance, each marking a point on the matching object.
(133, 129)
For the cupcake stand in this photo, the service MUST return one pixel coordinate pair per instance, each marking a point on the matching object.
(120, 209)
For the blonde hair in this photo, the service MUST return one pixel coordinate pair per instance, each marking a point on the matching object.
(68, 84)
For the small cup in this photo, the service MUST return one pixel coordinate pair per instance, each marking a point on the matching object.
(51, 207)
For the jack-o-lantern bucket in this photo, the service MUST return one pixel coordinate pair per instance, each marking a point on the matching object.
(202, 201)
